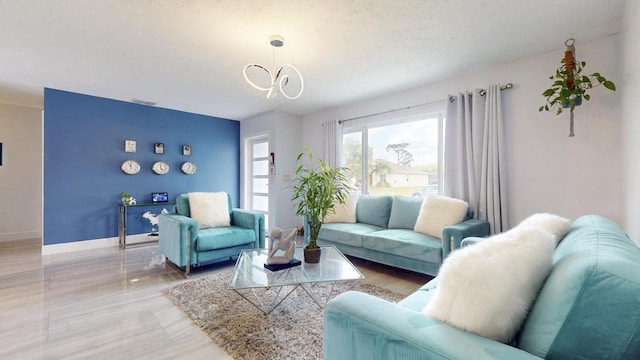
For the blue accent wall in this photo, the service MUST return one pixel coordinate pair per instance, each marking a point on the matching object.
(84, 147)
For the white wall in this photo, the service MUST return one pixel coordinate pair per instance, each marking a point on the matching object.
(20, 173)
(547, 170)
(284, 141)
(630, 88)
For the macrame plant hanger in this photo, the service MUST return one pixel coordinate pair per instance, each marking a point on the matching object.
(570, 63)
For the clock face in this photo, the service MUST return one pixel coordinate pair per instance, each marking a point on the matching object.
(130, 167)
(188, 168)
(160, 167)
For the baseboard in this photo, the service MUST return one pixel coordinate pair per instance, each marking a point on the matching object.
(79, 245)
(91, 244)
(25, 235)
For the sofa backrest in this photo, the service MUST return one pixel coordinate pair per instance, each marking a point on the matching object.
(374, 209)
(182, 205)
(589, 306)
(400, 213)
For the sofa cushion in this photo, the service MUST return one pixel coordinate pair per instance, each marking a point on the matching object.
(223, 237)
(437, 212)
(344, 213)
(209, 209)
(404, 212)
(348, 234)
(589, 306)
(407, 243)
(374, 210)
(489, 287)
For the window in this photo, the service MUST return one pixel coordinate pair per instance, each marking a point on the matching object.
(258, 175)
(401, 156)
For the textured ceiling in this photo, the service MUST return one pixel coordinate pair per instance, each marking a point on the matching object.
(189, 54)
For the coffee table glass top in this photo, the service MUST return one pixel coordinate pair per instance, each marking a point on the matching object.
(250, 272)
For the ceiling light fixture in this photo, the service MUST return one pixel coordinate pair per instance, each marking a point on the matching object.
(282, 76)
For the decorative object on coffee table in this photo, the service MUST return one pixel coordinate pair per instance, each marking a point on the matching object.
(286, 245)
(316, 191)
(570, 85)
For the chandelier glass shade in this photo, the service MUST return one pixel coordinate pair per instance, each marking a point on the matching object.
(277, 82)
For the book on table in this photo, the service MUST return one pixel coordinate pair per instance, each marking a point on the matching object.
(276, 267)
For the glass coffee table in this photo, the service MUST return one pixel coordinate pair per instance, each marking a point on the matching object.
(250, 274)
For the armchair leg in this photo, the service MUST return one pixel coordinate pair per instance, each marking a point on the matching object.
(169, 264)
(187, 269)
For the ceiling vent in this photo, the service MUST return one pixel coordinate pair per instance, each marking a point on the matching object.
(143, 102)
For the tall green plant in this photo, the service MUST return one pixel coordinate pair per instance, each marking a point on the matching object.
(316, 190)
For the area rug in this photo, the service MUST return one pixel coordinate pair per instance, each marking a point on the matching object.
(292, 331)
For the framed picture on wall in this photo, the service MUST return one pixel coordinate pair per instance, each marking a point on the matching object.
(186, 150)
(130, 146)
(158, 148)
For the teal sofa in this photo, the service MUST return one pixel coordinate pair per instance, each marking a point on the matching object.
(185, 245)
(383, 233)
(588, 308)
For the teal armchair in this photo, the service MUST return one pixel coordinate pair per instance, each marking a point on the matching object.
(186, 246)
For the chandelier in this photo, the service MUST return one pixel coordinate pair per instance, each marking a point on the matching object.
(279, 81)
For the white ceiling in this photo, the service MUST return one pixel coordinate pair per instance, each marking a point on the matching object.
(189, 54)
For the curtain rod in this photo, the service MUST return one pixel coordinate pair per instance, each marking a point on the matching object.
(386, 112)
(482, 92)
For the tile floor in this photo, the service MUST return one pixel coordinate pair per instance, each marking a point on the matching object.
(107, 304)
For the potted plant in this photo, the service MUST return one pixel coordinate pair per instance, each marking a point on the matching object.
(570, 85)
(316, 190)
(127, 199)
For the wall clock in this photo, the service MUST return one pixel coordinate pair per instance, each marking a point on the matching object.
(130, 167)
(188, 168)
(160, 167)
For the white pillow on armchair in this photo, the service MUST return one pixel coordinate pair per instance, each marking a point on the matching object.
(210, 209)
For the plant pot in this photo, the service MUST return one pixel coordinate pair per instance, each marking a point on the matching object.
(312, 256)
(578, 103)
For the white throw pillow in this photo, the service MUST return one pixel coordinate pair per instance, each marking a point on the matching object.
(345, 213)
(556, 225)
(209, 209)
(488, 288)
(437, 212)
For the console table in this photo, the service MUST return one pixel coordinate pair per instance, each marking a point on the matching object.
(122, 221)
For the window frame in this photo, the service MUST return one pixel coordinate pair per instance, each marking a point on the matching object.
(396, 117)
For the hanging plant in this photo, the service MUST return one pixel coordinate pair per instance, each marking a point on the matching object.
(570, 85)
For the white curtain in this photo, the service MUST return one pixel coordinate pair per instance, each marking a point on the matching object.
(474, 155)
(332, 142)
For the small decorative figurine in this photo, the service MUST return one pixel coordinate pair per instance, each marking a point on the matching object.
(285, 244)
(153, 219)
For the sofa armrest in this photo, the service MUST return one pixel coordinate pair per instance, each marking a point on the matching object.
(361, 326)
(176, 234)
(250, 219)
(452, 235)
(471, 241)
